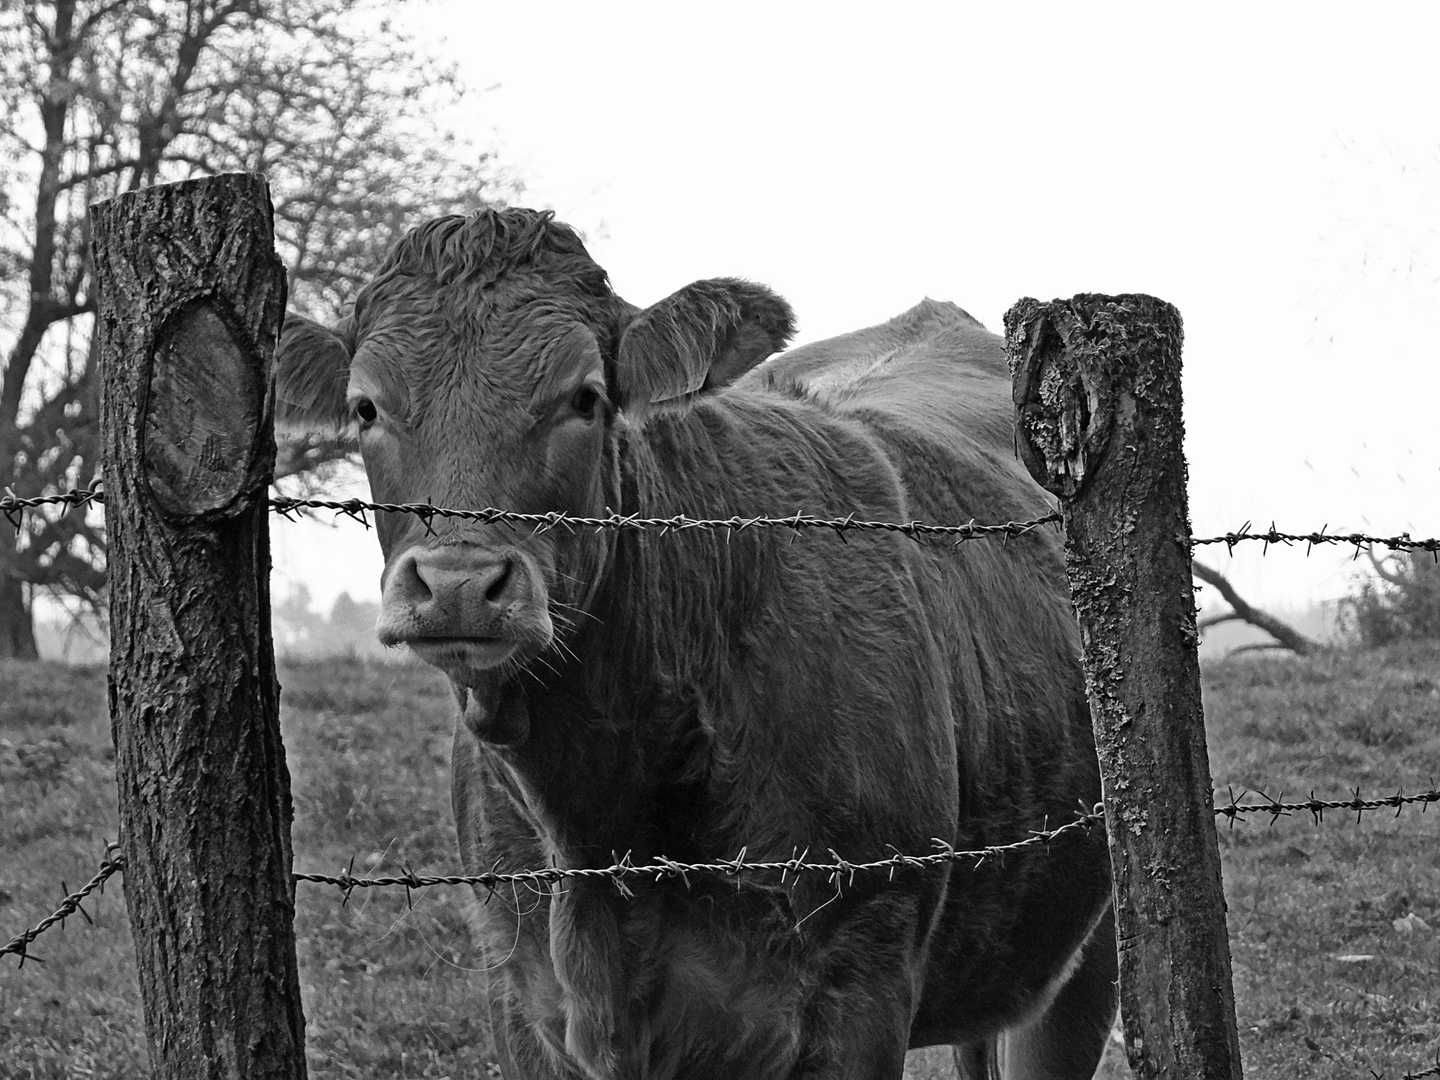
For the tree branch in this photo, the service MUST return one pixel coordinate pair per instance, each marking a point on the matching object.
(1285, 635)
(1217, 620)
(97, 172)
(1377, 563)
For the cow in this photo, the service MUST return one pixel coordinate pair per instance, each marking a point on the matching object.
(702, 692)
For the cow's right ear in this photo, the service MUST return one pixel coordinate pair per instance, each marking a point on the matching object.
(312, 372)
(698, 339)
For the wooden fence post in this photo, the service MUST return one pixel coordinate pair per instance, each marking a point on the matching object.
(191, 296)
(1098, 420)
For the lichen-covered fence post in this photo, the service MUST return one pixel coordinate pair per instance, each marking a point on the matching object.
(1098, 423)
(191, 298)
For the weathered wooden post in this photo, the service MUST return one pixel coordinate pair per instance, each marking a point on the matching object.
(1098, 421)
(191, 298)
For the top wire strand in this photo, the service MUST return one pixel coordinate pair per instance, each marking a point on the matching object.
(289, 507)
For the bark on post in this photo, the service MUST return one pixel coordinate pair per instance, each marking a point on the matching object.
(1098, 421)
(191, 298)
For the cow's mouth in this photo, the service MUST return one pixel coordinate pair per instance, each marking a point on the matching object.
(490, 703)
(459, 655)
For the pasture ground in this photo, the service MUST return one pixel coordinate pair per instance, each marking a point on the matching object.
(388, 988)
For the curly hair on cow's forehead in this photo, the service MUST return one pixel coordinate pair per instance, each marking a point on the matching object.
(482, 247)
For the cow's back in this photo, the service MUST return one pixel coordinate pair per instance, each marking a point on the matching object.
(933, 387)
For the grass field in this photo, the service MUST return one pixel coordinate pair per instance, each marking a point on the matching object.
(388, 990)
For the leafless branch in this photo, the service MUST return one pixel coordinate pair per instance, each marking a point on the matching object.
(1285, 635)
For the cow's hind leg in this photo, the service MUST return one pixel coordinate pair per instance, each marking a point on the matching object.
(978, 1061)
(1066, 1041)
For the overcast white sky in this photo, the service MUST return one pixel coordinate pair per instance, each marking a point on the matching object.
(1273, 171)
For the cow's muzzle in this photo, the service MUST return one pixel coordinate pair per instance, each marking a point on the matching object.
(464, 608)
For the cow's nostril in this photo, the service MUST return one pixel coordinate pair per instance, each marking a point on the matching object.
(497, 587)
(409, 582)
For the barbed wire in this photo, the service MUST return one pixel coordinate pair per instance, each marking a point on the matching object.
(1235, 809)
(11, 505)
(838, 870)
(290, 507)
(1400, 542)
(663, 867)
(556, 519)
(110, 864)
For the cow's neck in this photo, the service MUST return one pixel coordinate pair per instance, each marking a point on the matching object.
(620, 735)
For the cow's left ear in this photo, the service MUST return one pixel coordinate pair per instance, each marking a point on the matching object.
(700, 338)
(312, 368)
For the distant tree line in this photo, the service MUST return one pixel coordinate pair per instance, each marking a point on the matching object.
(300, 631)
(348, 629)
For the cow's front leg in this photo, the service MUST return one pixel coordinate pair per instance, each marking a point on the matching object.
(866, 978)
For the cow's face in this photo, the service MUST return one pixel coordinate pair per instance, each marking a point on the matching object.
(499, 379)
(511, 412)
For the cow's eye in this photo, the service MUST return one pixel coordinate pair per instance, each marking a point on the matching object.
(584, 401)
(366, 412)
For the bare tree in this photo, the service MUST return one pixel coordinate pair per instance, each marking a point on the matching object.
(326, 97)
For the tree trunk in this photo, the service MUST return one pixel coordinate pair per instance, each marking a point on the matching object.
(191, 302)
(1099, 424)
(17, 620)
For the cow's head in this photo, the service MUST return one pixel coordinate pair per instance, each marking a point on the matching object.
(488, 363)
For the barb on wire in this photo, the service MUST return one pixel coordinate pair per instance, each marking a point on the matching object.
(110, 864)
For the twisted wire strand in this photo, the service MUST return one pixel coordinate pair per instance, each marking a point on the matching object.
(1399, 542)
(110, 864)
(839, 870)
(359, 509)
(553, 520)
(1316, 808)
